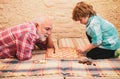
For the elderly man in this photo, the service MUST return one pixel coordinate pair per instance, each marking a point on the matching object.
(18, 41)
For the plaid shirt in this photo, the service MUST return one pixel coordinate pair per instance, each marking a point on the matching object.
(103, 33)
(18, 41)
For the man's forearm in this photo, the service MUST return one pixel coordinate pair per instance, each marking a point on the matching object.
(50, 43)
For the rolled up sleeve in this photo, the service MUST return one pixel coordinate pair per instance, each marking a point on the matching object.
(96, 34)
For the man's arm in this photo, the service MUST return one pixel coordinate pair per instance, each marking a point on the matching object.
(50, 43)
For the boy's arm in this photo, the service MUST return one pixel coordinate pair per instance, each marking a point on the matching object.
(86, 48)
(89, 47)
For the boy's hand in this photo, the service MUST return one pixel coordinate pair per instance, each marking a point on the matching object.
(79, 50)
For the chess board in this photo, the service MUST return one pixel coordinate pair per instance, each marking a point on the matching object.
(62, 53)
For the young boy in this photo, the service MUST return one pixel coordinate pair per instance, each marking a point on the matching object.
(103, 37)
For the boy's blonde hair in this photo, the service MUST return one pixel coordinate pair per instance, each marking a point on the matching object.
(82, 9)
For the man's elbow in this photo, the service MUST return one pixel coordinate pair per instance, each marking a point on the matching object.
(24, 58)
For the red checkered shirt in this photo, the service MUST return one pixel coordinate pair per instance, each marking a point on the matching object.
(18, 41)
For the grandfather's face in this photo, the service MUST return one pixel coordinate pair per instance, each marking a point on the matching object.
(45, 29)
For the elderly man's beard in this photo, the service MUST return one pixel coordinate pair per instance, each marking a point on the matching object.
(43, 37)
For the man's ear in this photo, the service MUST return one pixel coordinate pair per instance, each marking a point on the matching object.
(36, 24)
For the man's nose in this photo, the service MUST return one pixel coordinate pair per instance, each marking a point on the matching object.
(49, 32)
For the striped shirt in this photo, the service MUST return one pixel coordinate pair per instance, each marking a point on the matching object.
(18, 41)
(103, 33)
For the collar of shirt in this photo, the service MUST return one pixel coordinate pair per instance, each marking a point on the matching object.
(89, 20)
(35, 32)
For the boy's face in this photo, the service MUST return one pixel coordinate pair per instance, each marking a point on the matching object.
(44, 30)
(84, 20)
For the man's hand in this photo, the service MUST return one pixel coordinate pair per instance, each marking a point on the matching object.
(50, 50)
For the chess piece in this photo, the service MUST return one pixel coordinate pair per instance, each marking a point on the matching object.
(39, 61)
(85, 60)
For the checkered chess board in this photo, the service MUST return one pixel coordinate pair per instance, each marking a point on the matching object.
(66, 49)
(62, 53)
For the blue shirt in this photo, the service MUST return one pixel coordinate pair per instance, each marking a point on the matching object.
(103, 33)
